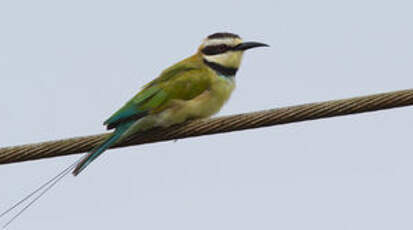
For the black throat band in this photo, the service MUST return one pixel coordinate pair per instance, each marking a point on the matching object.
(222, 70)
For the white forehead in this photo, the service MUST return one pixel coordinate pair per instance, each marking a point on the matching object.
(219, 41)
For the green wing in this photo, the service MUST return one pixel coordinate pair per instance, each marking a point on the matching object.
(181, 81)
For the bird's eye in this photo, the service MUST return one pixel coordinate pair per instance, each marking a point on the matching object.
(222, 47)
(214, 49)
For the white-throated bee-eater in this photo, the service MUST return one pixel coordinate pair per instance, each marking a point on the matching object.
(196, 87)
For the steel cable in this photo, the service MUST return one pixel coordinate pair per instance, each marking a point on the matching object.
(215, 125)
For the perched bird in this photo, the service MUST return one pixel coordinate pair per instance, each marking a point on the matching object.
(196, 87)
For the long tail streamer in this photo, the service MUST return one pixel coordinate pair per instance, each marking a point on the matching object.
(40, 191)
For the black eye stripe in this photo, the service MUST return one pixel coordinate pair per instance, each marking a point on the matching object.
(216, 49)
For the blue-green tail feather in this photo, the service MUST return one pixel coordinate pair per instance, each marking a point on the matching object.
(101, 148)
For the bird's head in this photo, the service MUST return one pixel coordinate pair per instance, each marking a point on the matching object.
(225, 50)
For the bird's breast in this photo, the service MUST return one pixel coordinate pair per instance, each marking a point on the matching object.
(214, 98)
(204, 105)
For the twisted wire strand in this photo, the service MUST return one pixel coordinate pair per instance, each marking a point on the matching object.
(223, 124)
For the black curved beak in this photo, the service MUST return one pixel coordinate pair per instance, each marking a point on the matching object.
(249, 45)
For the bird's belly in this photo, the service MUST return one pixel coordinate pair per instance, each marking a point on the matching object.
(205, 105)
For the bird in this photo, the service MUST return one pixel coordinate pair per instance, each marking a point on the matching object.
(196, 87)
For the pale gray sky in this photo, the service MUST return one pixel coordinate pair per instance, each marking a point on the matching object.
(66, 66)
